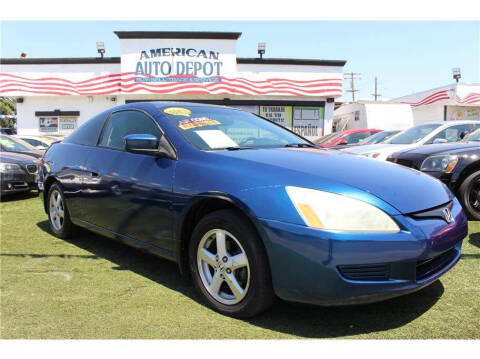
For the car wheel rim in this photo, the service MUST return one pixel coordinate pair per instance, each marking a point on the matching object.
(57, 210)
(474, 196)
(223, 266)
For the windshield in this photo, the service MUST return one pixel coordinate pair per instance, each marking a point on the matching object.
(474, 136)
(332, 138)
(413, 134)
(379, 137)
(215, 128)
(10, 144)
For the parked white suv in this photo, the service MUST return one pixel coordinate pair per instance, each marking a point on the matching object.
(416, 136)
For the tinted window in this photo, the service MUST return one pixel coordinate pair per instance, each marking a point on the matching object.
(34, 142)
(125, 123)
(88, 133)
(451, 134)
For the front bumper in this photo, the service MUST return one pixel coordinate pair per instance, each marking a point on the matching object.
(15, 182)
(327, 268)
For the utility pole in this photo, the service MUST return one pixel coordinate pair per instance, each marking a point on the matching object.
(376, 94)
(352, 76)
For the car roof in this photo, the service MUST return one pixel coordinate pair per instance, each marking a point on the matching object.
(464, 122)
(355, 130)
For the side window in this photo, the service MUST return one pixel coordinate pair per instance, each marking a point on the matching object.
(356, 137)
(451, 134)
(125, 123)
(88, 133)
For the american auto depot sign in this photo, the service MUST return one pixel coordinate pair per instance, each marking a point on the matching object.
(179, 62)
(162, 61)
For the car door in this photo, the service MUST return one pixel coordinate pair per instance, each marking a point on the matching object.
(128, 193)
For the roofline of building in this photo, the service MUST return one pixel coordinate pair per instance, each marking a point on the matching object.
(281, 61)
(59, 60)
(177, 35)
(116, 60)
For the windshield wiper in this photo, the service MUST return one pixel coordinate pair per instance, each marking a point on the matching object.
(301, 145)
(233, 148)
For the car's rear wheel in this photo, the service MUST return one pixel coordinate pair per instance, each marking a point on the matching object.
(229, 265)
(58, 215)
(469, 195)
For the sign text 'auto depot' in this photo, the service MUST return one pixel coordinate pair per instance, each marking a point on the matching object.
(171, 61)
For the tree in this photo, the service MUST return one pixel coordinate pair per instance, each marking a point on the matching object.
(7, 107)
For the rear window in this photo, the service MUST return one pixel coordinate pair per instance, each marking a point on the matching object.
(88, 133)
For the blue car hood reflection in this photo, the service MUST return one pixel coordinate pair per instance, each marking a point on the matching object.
(404, 189)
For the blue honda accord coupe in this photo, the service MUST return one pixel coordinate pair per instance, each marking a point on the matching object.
(252, 211)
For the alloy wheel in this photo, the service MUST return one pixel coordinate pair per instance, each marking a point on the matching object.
(223, 266)
(57, 210)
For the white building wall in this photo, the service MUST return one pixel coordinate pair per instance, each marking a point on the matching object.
(89, 106)
(428, 113)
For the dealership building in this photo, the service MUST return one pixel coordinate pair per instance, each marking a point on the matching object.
(453, 102)
(56, 95)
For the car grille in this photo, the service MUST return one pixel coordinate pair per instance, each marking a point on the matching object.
(32, 169)
(431, 266)
(365, 272)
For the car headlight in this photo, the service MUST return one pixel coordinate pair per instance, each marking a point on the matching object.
(329, 211)
(9, 167)
(445, 163)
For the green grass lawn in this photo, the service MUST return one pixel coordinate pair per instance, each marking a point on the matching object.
(92, 287)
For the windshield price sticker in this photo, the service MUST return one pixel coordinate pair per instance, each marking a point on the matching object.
(178, 111)
(197, 122)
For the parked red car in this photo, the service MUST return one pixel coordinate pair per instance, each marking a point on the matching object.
(347, 137)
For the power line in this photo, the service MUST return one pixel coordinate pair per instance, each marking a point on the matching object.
(352, 76)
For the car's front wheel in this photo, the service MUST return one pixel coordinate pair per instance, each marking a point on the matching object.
(58, 215)
(229, 265)
(469, 195)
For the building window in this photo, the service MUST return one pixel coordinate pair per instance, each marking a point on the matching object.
(48, 124)
(281, 115)
(67, 124)
(308, 121)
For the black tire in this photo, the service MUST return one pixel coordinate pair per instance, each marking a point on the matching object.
(465, 193)
(67, 229)
(259, 296)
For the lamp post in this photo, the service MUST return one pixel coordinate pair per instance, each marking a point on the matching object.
(456, 73)
(101, 48)
(261, 49)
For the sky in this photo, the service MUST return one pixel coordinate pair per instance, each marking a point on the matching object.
(405, 56)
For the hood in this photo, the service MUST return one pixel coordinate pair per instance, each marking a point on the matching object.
(32, 154)
(382, 150)
(367, 148)
(14, 157)
(446, 148)
(404, 189)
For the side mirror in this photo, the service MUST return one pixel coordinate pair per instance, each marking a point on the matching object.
(141, 143)
(439, 140)
(343, 142)
(148, 144)
(463, 134)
